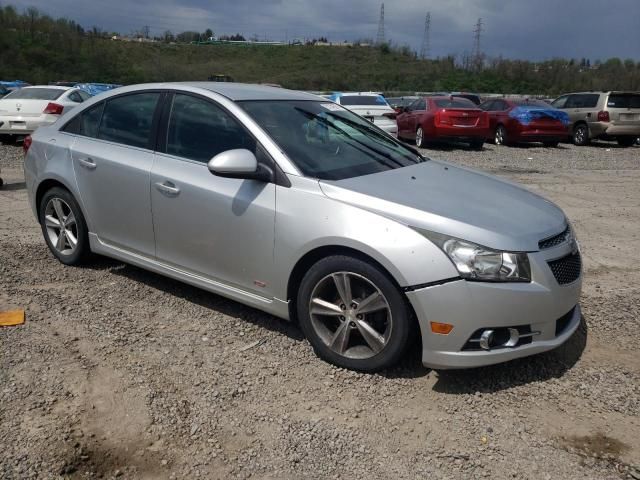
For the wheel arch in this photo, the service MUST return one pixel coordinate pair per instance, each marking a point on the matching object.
(47, 184)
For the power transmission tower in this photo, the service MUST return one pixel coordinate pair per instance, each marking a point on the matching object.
(425, 51)
(477, 53)
(380, 37)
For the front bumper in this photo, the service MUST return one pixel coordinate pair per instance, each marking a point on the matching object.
(470, 306)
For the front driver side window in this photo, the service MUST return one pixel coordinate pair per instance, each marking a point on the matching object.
(199, 130)
(560, 102)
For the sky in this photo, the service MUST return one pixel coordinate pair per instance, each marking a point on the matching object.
(523, 29)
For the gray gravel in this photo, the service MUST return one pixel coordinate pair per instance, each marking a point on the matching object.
(121, 373)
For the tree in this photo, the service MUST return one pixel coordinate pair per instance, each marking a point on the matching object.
(208, 33)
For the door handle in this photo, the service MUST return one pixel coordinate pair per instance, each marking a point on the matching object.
(87, 163)
(168, 188)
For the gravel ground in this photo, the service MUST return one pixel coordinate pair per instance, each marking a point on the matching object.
(122, 373)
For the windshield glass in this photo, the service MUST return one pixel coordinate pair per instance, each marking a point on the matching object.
(362, 100)
(328, 142)
(35, 94)
(531, 103)
(455, 103)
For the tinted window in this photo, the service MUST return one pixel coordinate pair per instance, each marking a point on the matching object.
(559, 102)
(530, 103)
(624, 100)
(488, 106)
(329, 142)
(582, 100)
(75, 97)
(128, 119)
(36, 94)
(84, 95)
(455, 103)
(199, 130)
(418, 105)
(362, 100)
(86, 123)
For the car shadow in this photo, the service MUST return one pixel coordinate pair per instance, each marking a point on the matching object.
(198, 296)
(537, 368)
(10, 187)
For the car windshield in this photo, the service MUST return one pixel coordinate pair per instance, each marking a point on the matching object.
(455, 103)
(362, 100)
(35, 94)
(328, 142)
(624, 100)
(531, 103)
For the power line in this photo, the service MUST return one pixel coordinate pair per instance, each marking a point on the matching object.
(425, 51)
(380, 37)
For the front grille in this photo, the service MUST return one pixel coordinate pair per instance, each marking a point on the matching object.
(566, 269)
(563, 322)
(555, 240)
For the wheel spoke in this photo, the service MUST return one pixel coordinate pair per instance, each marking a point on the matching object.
(373, 338)
(60, 242)
(322, 307)
(340, 340)
(343, 285)
(51, 221)
(70, 220)
(372, 303)
(71, 238)
(57, 206)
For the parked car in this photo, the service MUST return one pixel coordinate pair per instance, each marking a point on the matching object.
(525, 120)
(370, 105)
(433, 119)
(298, 207)
(24, 110)
(602, 115)
(399, 103)
(96, 88)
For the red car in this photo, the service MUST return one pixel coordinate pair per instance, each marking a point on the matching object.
(521, 121)
(432, 119)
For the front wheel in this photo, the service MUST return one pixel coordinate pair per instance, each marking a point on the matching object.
(353, 315)
(420, 142)
(63, 226)
(500, 137)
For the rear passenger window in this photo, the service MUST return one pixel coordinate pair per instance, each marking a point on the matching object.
(582, 100)
(86, 123)
(128, 119)
(199, 130)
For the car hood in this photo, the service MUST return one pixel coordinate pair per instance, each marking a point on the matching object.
(455, 201)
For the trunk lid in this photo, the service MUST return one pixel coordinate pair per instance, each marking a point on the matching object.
(22, 107)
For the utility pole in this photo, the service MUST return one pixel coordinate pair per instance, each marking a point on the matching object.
(380, 37)
(477, 53)
(425, 51)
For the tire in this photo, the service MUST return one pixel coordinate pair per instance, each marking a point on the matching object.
(580, 135)
(1, 182)
(368, 341)
(500, 136)
(551, 144)
(58, 202)
(477, 144)
(626, 141)
(420, 143)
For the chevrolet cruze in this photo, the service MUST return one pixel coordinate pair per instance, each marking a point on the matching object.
(292, 204)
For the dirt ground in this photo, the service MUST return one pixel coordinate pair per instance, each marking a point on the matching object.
(119, 372)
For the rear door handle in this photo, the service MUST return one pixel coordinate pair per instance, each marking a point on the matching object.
(168, 188)
(87, 163)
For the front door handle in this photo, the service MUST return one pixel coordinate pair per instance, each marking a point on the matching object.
(168, 188)
(87, 163)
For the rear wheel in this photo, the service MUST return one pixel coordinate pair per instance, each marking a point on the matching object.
(500, 137)
(551, 144)
(420, 142)
(353, 314)
(581, 135)
(626, 141)
(63, 226)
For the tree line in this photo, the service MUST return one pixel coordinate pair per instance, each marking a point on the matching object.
(38, 48)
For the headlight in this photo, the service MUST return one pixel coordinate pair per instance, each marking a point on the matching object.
(475, 262)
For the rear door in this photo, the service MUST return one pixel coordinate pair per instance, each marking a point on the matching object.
(112, 158)
(582, 107)
(219, 228)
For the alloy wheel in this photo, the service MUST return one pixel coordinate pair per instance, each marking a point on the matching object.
(580, 135)
(500, 133)
(419, 137)
(350, 315)
(61, 226)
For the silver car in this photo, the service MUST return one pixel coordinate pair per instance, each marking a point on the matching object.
(291, 204)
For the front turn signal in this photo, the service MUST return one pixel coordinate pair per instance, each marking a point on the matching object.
(441, 328)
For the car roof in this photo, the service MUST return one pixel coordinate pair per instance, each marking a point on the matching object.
(52, 87)
(245, 91)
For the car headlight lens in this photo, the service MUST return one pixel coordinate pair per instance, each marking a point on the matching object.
(475, 262)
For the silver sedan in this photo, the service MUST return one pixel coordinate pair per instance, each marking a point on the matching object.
(293, 205)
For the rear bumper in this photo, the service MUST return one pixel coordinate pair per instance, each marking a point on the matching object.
(623, 130)
(19, 125)
(390, 127)
(459, 133)
(538, 134)
(543, 306)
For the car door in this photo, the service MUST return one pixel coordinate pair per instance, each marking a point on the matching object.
(418, 109)
(215, 227)
(488, 107)
(112, 158)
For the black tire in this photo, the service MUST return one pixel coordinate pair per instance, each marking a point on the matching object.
(477, 144)
(626, 141)
(1, 182)
(500, 136)
(420, 141)
(81, 250)
(580, 135)
(400, 319)
(551, 144)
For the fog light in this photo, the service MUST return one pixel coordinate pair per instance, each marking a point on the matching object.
(441, 328)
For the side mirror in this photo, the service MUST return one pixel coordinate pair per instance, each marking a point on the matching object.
(239, 163)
